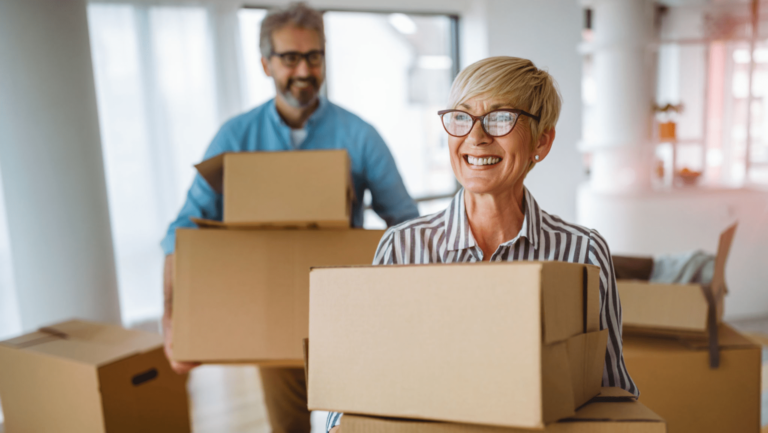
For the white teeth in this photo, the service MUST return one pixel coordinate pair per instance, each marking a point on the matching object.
(483, 161)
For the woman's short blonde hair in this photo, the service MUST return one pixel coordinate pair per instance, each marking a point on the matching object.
(515, 81)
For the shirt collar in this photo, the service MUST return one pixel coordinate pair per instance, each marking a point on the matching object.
(459, 234)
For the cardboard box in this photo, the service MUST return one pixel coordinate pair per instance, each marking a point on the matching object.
(483, 343)
(243, 295)
(676, 381)
(613, 411)
(80, 376)
(302, 189)
(673, 309)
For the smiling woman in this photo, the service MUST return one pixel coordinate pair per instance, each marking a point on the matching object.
(500, 125)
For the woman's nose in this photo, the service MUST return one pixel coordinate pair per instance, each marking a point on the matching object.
(477, 135)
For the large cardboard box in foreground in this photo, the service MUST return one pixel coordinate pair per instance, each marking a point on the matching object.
(676, 381)
(243, 295)
(85, 377)
(307, 188)
(613, 411)
(673, 309)
(512, 344)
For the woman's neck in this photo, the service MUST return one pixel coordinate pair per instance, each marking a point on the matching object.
(494, 218)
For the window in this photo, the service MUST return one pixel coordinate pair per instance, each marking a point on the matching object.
(157, 102)
(706, 70)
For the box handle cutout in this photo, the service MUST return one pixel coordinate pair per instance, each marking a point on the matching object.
(144, 377)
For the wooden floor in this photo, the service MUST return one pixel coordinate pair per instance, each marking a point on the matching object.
(227, 399)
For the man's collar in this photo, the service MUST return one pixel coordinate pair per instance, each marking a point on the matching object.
(459, 234)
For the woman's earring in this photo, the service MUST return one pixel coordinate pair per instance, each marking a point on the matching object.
(536, 157)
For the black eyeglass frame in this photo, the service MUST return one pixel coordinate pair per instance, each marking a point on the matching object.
(304, 56)
(517, 112)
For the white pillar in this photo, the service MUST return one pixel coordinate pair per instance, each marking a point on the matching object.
(51, 163)
(623, 71)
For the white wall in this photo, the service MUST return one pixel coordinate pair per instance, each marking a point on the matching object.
(648, 223)
(547, 32)
(52, 168)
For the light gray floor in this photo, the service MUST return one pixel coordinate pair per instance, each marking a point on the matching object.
(757, 325)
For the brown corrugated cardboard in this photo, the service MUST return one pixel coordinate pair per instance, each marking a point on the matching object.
(243, 295)
(491, 343)
(676, 381)
(308, 188)
(674, 309)
(80, 376)
(617, 413)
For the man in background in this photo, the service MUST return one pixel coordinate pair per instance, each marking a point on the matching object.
(292, 43)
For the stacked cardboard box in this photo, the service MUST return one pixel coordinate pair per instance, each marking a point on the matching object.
(504, 344)
(241, 286)
(691, 368)
(677, 382)
(80, 376)
(614, 410)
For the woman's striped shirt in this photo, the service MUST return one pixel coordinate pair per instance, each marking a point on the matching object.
(445, 237)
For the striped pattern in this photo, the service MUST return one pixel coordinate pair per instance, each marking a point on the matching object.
(445, 237)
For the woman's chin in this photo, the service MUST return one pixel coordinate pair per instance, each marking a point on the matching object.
(475, 187)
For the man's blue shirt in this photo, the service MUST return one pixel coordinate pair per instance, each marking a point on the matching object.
(329, 127)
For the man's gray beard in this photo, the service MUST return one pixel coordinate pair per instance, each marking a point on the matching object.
(293, 102)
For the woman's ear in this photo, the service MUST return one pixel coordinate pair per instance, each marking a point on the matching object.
(544, 145)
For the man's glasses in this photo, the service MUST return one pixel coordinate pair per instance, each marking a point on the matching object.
(291, 59)
(497, 123)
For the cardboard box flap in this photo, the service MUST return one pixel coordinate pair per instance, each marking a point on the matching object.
(628, 411)
(614, 392)
(212, 170)
(214, 224)
(209, 224)
(593, 302)
(556, 383)
(563, 286)
(659, 307)
(632, 268)
(586, 357)
(305, 346)
(719, 287)
(572, 371)
(86, 342)
(727, 338)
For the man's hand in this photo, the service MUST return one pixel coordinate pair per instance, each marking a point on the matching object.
(336, 429)
(178, 367)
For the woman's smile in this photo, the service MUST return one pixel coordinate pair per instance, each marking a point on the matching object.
(482, 162)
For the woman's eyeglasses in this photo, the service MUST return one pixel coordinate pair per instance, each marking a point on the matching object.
(291, 59)
(497, 123)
